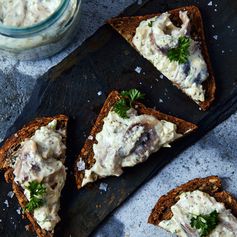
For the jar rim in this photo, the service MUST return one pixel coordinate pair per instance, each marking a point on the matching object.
(20, 32)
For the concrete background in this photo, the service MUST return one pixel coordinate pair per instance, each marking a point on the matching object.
(215, 154)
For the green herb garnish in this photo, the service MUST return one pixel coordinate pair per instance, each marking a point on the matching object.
(37, 190)
(181, 53)
(126, 102)
(205, 223)
(150, 23)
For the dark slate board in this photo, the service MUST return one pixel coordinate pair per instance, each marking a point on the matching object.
(106, 62)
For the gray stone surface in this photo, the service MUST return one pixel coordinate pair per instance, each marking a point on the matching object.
(215, 154)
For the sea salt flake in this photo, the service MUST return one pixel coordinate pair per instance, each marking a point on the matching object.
(10, 194)
(103, 187)
(81, 165)
(228, 27)
(99, 93)
(212, 26)
(210, 3)
(222, 51)
(90, 137)
(139, 2)
(18, 211)
(161, 76)
(161, 101)
(215, 10)
(138, 70)
(7, 203)
(215, 37)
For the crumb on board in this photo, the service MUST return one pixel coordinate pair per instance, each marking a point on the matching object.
(18, 210)
(6, 202)
(210, 3)
(138, 70)
(139, 2)
(99, 93)
(103, 187)
(10, 194)
(90, 137)
(81, 165)
(161, 76)
(215, 37)
(160, 100)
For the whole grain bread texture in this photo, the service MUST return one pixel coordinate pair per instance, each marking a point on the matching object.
(87, 154)
(126, 26)
(10, 147)
(211, 185)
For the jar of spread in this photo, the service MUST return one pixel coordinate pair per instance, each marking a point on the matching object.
(34, 29)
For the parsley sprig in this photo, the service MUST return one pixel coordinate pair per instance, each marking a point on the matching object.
(37, 191)
(150, 23)
(205, 223)
(180, 53)
(126, 102)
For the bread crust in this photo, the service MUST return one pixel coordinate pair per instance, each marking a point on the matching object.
(11, 145)
(126, 26)
(211, 185)
(87, 154)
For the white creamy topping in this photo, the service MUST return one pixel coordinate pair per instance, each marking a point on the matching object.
(155, 36)
(197, 203)
(127, 142)
(21, 13)
(37, 160)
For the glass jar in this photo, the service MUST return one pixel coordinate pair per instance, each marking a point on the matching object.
(41, 39)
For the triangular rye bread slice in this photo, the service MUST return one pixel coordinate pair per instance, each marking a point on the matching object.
(11, 145)
(211, 185)
(126, 26)
(87, 154)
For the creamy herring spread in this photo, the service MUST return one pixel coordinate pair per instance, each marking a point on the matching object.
(38, 160)
(155, 36)
(21, 13)
(125, 142)
(196, 203)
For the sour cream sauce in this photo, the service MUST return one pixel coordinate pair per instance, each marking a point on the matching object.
(196, 203)
(37, 160)
(125, 142)
(22, 13)
(155, 36)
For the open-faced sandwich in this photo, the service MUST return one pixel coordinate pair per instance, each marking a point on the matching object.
(33, 161)
(174, 42)
(125, 133)
(198, 208)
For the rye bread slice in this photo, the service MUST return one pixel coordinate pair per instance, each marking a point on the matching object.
(87, 154)
(211, 185)
(126, 26)
(7, 151)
